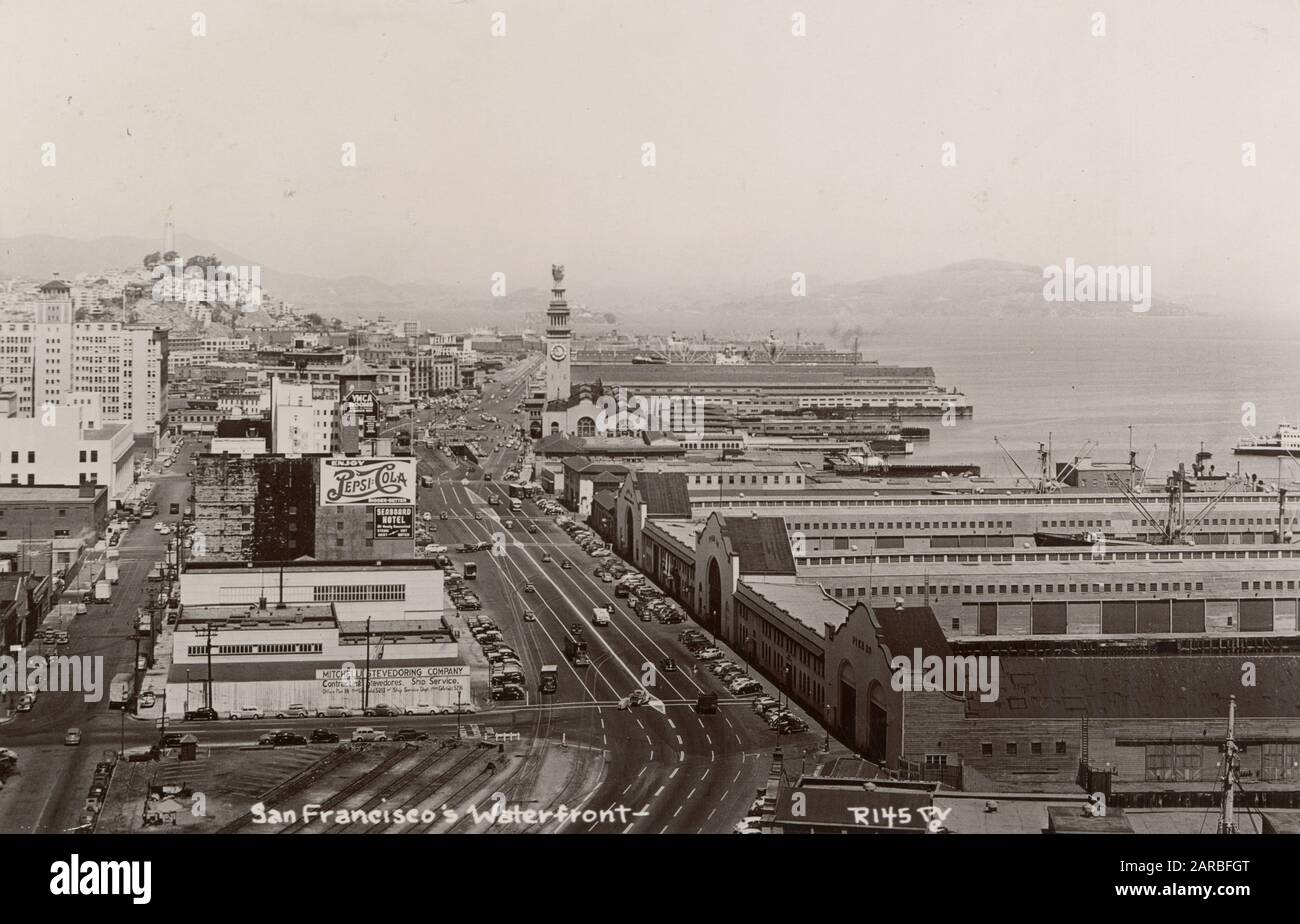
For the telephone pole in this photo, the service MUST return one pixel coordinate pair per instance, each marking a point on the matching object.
(1227, 817)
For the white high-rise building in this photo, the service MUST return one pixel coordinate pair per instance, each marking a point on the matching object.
(304, 417)
(47, 360)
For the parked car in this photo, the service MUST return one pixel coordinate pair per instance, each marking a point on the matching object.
(384, 709)
(72, 736)
(323, 736)
(248, 712)
(366, 733)
(202, 714)
(292, 711)
(410, 734)
(708, 654)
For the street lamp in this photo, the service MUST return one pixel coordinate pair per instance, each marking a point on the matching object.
(187, 689)
(826, 745)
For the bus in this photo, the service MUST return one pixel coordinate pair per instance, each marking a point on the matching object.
(550, 679)
(516, 504)
(471, 571)
(119, 692)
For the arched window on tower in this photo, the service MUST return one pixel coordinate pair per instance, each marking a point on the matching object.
(555, 428)
(586, 426)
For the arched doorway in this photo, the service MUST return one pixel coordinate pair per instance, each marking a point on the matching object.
(535, 430)
(846, 700)
(628, 543)
(877, 724)
(555, 428)
(713, 595)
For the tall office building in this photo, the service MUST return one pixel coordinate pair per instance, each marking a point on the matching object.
(49, 360)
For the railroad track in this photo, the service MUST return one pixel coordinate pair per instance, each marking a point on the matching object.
(350, 789)
(294, 785)
(395, 786)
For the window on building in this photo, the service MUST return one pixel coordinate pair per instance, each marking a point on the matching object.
(986, 749)
(1060, 747)
(1011, 749)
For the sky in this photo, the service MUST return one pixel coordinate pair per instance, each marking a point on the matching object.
(774, 152)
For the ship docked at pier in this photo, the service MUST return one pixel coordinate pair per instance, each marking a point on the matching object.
(1285, 442)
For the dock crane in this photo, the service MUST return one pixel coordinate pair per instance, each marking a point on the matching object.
(1175, 529)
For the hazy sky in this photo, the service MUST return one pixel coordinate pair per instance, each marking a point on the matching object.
(775, 153)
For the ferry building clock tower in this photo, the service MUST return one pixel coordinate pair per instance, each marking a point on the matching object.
(558, 340)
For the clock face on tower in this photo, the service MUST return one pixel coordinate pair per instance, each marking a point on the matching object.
(558, 352)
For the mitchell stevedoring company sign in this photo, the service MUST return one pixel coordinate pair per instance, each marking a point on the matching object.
(345, 482)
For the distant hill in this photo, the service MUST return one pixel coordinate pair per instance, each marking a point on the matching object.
(986, 289)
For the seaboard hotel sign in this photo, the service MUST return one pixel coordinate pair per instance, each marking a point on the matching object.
(361, 482)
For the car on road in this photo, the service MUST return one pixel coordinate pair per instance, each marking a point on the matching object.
(443, 515)
(546, 556)
(638, 698)
(72, 736)
(248, 712)
(708, 654)
(366, 733)
(293, 711)
(26, 702)
(60, 638)
(511, 691)
(667, 665)
(427, 516)
(478, 516)
(410, 734)
(147, 699)
(532, 528)
(529, 588)
(566, 565)
(529, 615)
(323, 736)
(384, 709)
(202, 714)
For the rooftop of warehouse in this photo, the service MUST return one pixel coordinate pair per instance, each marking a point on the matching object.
(312, 564)
(803, 603)
(237, 616)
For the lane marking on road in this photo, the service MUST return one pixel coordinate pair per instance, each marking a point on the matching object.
(674, 773)
(710, 815)
(664, 829)
(724, 795)
(681, 756)
(736, 777)
(628, 828)
(727, 720)
(638, 776)
(739, 742)
(675, 814)
(657, 792)
(708, 738)
(691, 793)
(706, 774)
(652, 752)
(671, 724)
(625, 789)
(679, 740)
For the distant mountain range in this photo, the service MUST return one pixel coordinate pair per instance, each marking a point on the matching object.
(985, 289)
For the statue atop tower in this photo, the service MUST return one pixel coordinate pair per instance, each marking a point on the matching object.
(557, 273)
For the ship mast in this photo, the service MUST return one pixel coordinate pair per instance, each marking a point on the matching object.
(1227, 817)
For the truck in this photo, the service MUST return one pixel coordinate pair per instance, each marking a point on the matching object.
(103, 591)
(471, 571)
(111, 570)
(600, 616)
(516, 504)
(576, 651)
(426, 481)
(706, 703)
(120, 689)
(143, 621)
(549, 680)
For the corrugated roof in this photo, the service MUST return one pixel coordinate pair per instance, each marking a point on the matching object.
(761, 543)
(664, 493)
(1130, 687)
(632, 374)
